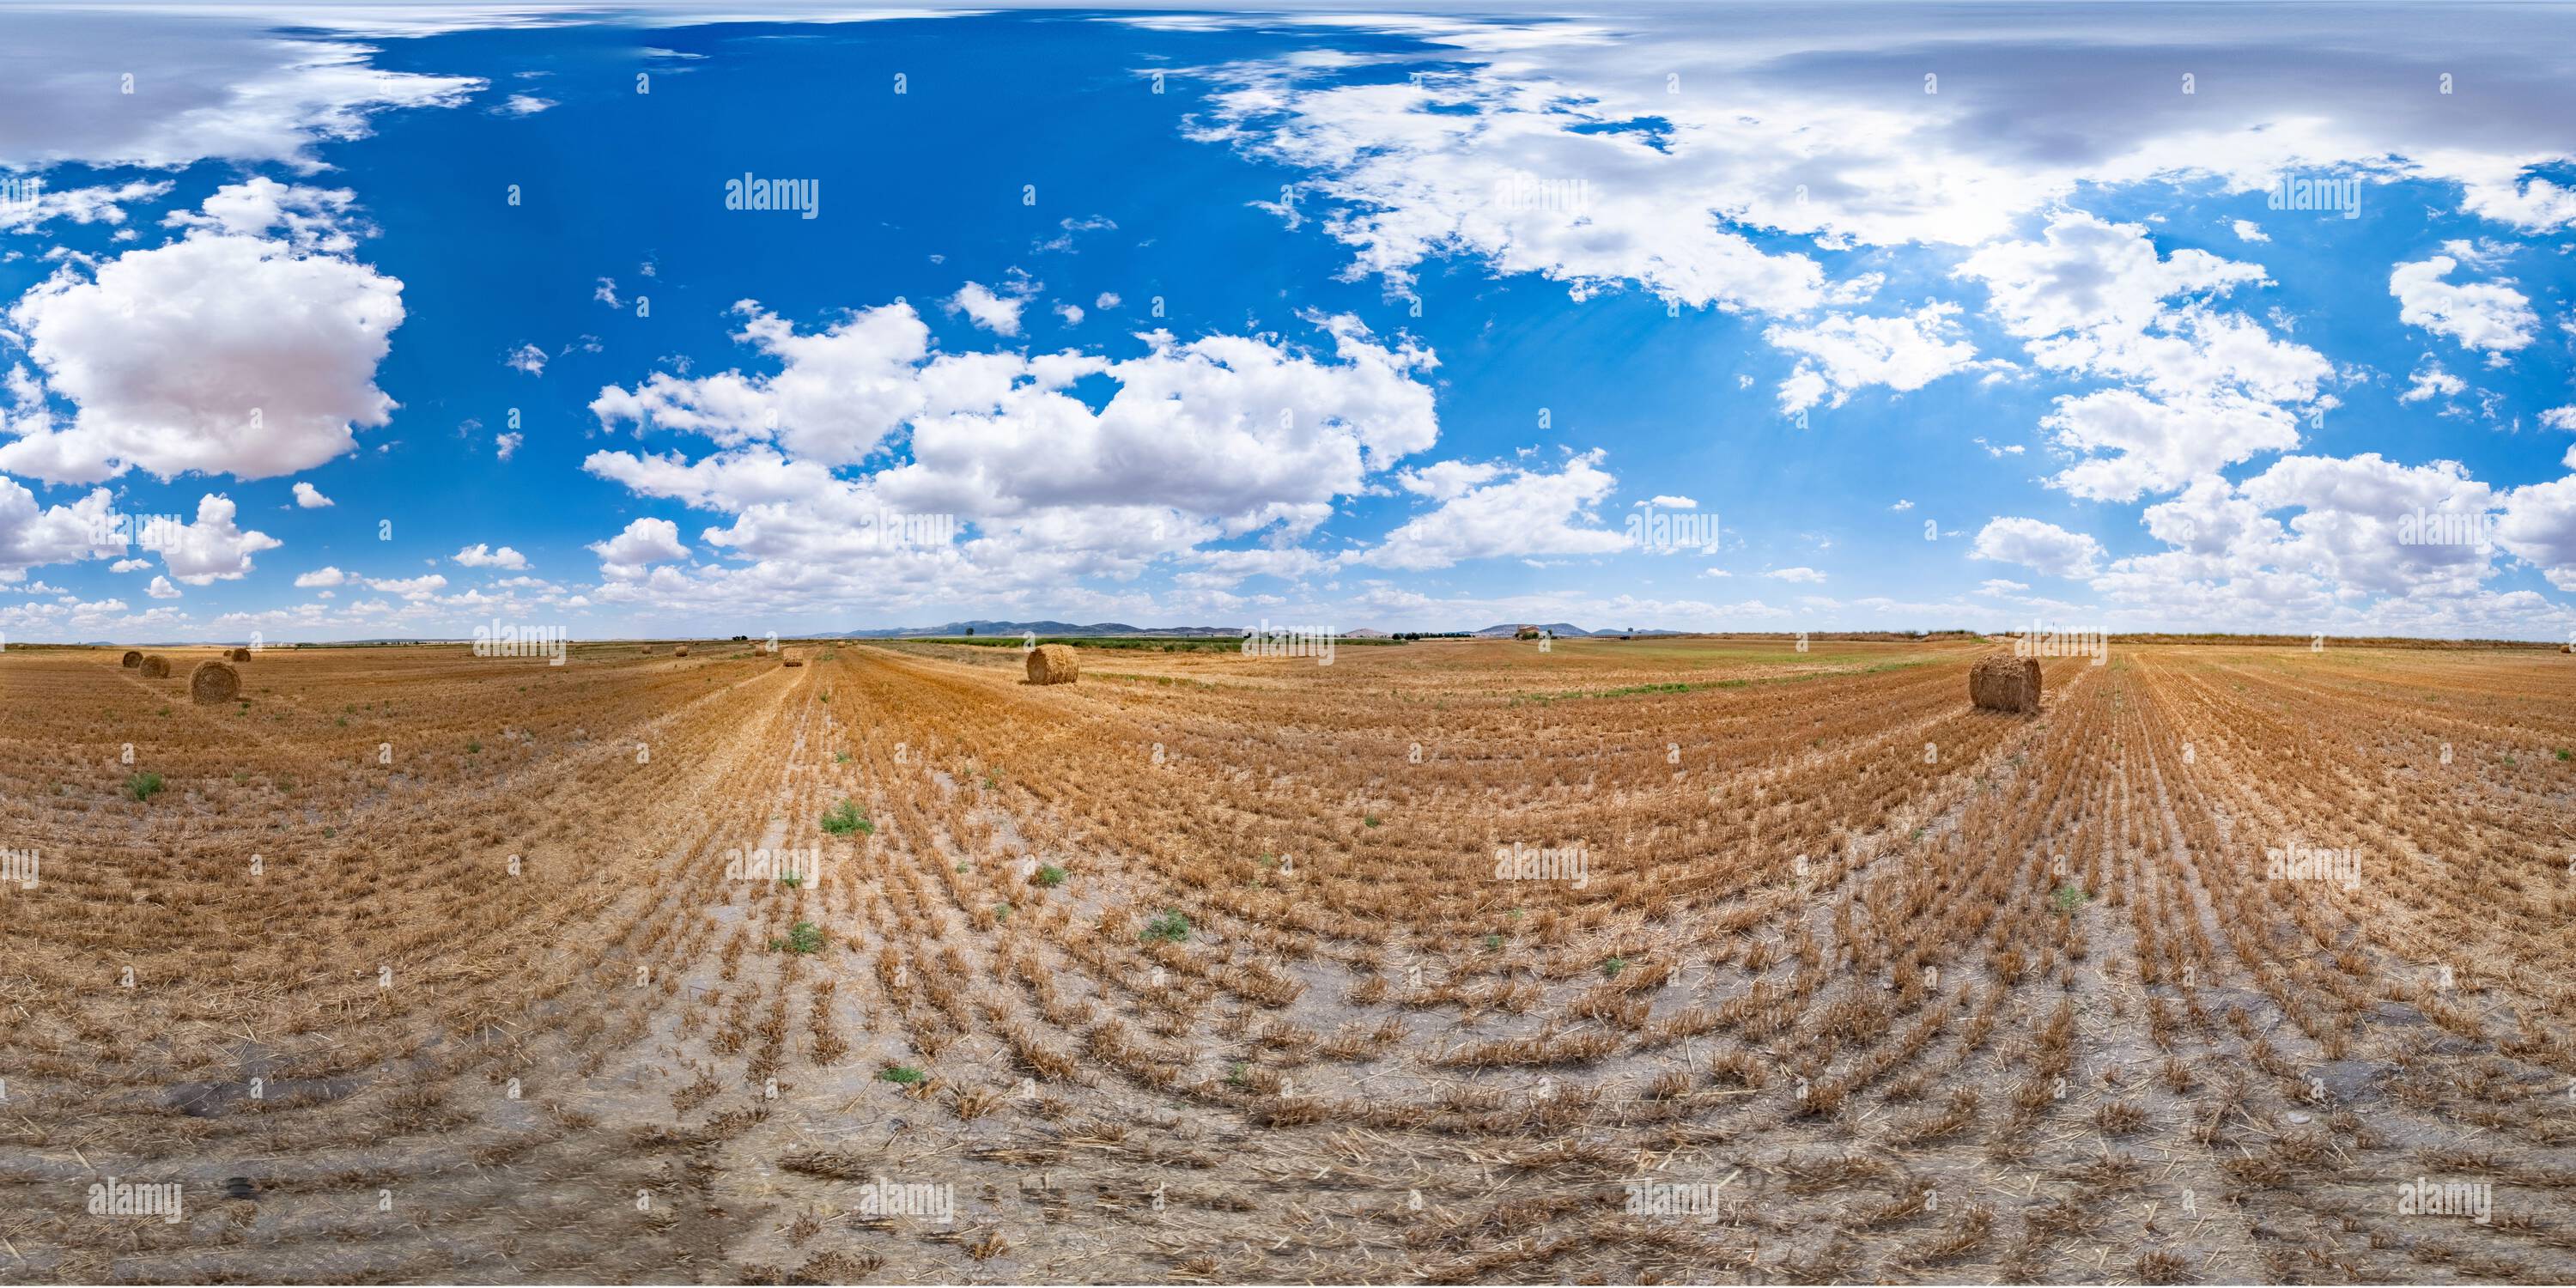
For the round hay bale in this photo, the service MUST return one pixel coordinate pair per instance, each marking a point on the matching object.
(681, 651)
(2002, 682)
(133, 657)
(793, 661)
(1053, 664)
(214, 682)
(155, 667)
(238, 655)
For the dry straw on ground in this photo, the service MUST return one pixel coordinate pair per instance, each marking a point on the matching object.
(132, 658)
(681, 651)
(1053, 664)
(155, 667)
(795, 661)
(2002, 682)
(213, 682)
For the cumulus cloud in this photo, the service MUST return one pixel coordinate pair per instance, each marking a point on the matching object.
(33, 535)
(997, 313)
(2430, 381)
(162, 589)
(311, 219)
(1527, 513)
(480, 555)
(309, 497)
(507, 445)
(1842, 353)
(1808, 575)
(2038, 545)
(212, 548)
(528, 358)
(320, 577)
(1190, 442)
(1442, 480)
(2489, 316)
(219, 353)
(2202, 389)
(645, 541)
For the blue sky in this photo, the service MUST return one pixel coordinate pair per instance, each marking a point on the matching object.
(339, 326)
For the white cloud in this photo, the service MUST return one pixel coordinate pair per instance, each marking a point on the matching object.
(2000, 586)
(2038, 545)
(999, 314)
(212, 548)
(2133, 444)
(162, 589)
(1669, 503)
(322, 577)
(1105, 300)
(218, 353)
(124, 565)
(309, 497)
(92, 205)
(1808, 575)
(480, 555)
(2539, 524)
(1071, 313)
(2249, 231)
(507, 445)
(522, 105)
(528, 358)
(2430, 381)
(2205, 388)
(313, 219)
(219, 86)
(1191, 443)
(1527, 514)
(645, 541)
(409, 587)
(32, 535)
(1442, 480)
(2490, 316)
(1902, 506)
(1842, 353)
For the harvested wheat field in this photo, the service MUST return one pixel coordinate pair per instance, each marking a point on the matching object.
(1452, 961)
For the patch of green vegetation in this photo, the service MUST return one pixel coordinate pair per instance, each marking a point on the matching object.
(2069, 898)
(1493, 942)
(840, 758)
(474, 748)
(1238, 1073)
(142, 785)
(1613, 966)
(1169, 925)
(793, 881)
(902, 1075)
(803, 937)
(1369, 820)
(1051, 876)
(845, 818)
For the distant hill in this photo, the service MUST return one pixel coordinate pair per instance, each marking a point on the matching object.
(1561, 630)
(1038, 628)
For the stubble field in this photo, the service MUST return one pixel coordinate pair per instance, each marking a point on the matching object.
(421, 966)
